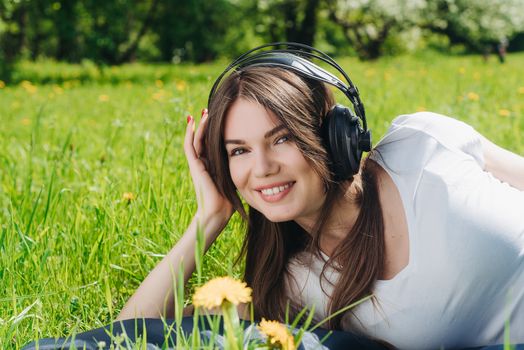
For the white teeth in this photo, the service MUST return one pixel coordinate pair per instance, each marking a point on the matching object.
(274, 190)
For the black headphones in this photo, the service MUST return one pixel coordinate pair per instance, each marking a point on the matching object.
(345, 133)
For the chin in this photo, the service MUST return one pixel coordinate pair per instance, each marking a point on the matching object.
(278, 217)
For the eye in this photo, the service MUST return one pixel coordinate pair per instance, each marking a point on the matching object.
(282, 139)
(236, 152)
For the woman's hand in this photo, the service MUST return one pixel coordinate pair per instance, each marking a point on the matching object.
(154, 297)
(212, 206)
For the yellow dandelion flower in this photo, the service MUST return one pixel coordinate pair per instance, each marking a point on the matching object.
(128, 196)
(387, 76)
(129, 84)
(504, 112)
(103, 98)
(159, 83)
(421, 109)
(181, 85)
(476, 76)
(28, 86)
(462, 70)
(224, 293)
(2, 84)
(369, 72)
(277, 334)
(25, 121)
(521, 90)
(159, 95)
(58, 90)
(473, 96)
(220, 289)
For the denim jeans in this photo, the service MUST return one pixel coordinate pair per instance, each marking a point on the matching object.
(161, 334)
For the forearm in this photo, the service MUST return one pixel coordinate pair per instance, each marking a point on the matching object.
(503, 164)
(154, 296)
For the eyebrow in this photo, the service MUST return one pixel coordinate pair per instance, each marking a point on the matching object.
(267, 135)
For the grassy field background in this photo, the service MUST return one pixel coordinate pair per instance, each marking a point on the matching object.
(94, 187)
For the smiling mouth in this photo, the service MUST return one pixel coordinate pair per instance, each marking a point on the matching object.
(276, 189)
(276, 193)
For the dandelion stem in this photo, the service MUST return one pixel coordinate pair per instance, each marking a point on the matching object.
(231, 323)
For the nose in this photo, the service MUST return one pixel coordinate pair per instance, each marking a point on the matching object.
(265, 164)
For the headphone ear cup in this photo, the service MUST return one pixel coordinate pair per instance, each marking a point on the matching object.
(340, 132)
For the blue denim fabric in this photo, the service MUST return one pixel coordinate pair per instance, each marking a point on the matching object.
(155, 331)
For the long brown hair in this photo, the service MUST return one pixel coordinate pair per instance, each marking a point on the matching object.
(300, 104)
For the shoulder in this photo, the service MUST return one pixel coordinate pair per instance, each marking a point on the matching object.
(439, 126)
(419, 131)
(413, 139)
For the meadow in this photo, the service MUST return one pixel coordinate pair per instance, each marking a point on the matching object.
(94, 187)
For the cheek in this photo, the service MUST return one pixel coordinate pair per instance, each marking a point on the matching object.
(313, 180)
(238, 175)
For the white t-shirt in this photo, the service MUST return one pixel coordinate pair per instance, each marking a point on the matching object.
(465, 276)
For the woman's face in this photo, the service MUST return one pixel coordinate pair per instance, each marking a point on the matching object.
(267, 168)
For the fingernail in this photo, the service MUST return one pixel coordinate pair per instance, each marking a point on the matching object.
(189, 117)
(203, 111)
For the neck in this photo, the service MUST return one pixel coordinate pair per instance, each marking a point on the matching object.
(340, 219)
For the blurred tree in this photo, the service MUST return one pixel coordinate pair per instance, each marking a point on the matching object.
(474, 23)
(14, 19)
(117, 31)
(13, 22)
(517, 42)
(64, 17)
(41, 32)
(132, 47)
(367, 24)
(194, 29)
(301, 27)
(106, 28)
(288, 20)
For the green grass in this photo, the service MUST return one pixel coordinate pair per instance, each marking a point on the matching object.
(74, 139)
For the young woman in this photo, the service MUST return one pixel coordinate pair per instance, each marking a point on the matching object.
(431, 224)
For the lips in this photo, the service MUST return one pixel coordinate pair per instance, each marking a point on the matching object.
(275, 192)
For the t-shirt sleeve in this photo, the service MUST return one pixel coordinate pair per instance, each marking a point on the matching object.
(453, 134)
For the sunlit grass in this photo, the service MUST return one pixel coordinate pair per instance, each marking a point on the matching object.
(94, 187)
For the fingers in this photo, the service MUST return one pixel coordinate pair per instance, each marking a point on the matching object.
(198, 141)
(193, 141)
(188, 140)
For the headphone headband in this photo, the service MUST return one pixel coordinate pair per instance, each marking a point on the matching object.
(297, 57)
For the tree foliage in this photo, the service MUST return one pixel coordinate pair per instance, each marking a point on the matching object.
(116, 31)
(367, 24)
(474, 23)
